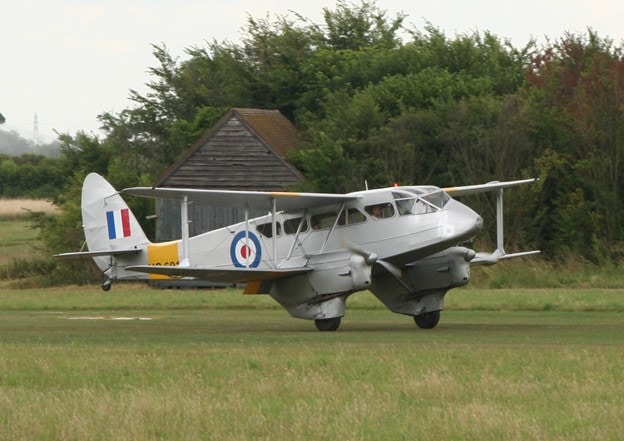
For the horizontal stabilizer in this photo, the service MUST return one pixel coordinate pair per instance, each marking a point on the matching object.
(231, 275)
(81, 254)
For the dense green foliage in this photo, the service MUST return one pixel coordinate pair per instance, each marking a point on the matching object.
(28, 175)
(381, 103)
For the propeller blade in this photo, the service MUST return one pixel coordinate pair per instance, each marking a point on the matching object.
(369, 257)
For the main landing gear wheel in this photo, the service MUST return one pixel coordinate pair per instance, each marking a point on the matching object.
(428, 320)
(330, 324)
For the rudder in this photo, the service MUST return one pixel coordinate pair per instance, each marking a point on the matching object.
(108, 222)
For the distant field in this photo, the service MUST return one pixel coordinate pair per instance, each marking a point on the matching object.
(11, 208)
(142, 364)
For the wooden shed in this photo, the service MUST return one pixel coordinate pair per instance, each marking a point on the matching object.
(245, 150)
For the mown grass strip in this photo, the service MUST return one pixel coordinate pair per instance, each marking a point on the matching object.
(142, 296)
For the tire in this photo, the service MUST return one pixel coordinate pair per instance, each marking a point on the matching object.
(428, 320)
(331, 324)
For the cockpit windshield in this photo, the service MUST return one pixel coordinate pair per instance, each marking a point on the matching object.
(420, 201)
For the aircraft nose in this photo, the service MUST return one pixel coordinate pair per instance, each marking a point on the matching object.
(466, 223)
(479, 222)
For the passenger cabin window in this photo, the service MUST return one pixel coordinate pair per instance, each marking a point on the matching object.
(380, 211)
(322, 220)
(267, 229)
(291, 225)
(351, 216)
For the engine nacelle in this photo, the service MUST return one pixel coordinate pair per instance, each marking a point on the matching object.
(442, 271)
(428, 281)
(322, 293)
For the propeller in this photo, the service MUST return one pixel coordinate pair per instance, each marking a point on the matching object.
(369, 257)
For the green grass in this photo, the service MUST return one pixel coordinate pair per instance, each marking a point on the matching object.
(537, 273)
(197, 365)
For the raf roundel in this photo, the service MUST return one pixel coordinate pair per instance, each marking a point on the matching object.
(245, 253)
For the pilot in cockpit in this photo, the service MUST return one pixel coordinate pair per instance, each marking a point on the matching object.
(380, 211)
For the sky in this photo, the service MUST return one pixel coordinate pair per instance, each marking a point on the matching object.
(67, 61)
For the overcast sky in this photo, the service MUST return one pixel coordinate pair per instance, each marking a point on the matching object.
(69, 60)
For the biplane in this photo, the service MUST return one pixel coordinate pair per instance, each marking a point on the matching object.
(311, 251)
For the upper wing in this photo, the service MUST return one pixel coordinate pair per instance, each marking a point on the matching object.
(284, 201)
(474, 189)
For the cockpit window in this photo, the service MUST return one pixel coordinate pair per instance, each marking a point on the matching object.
(438, 198)
(380, 211)
(405, 202)
(409, 203)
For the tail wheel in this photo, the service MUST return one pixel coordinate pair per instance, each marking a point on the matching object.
(331, 324)
(428, 320)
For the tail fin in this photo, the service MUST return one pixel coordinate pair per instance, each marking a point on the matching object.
(109, 224)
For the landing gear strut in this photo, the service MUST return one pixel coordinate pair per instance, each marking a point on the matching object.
(330, 324)
(427, 320)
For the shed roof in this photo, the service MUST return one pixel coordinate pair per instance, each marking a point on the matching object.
(270, 125)
(245, 150)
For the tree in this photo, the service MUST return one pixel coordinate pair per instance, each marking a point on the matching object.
(576, 89)
(378, 103)
(356, 27)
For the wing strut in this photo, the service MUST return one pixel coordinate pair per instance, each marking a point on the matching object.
(499, 222)
(184, 225)
(296, 238)
(247, 234)
(499, 253)
(274, 228)
(331, 230)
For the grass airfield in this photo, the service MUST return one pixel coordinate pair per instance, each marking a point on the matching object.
(144, 364)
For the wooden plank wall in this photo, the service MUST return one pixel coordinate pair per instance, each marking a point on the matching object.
(233, 159)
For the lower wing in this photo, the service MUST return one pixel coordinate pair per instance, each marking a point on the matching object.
(258, 280)
(81, 254)
(232, 275)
